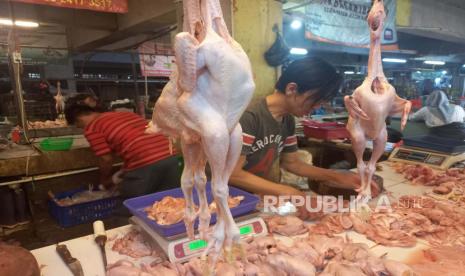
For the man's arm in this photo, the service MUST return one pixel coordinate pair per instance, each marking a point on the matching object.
(345, 180)
(106, 168)
(255, 184)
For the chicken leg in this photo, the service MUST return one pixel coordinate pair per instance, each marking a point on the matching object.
(371, 103)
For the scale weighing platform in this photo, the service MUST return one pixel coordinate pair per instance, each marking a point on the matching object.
(438, 153)
(180, 249)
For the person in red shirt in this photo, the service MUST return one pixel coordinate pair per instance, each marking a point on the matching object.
(150, 164)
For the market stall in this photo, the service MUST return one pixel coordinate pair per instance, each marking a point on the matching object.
(211, 137)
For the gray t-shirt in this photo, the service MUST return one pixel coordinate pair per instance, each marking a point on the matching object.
(264, 139)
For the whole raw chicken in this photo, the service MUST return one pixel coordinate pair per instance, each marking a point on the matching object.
(201, 105)
(59, 100)
(371, 103)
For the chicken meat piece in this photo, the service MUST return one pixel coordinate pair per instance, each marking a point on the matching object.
(201, 105)
(371, 103)
(232, 203)
(228, 270)
(301, 249)
(286, 225)
(125, 268)
(331, 224)
(134, 245)
(326, 246)
(397, 268)
(165, 269)
(444, 188)
(168, 211)
(15, 260)
(441, 261)
(291, 265)
(335, 268)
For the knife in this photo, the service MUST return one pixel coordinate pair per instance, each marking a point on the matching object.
(73, 264)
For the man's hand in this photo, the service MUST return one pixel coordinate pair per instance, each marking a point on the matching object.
(352, 181)
(107, 184)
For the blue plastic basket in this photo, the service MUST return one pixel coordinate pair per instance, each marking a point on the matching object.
(67, 216)
(137, 207)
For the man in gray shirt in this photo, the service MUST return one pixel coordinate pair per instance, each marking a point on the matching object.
(268, 127)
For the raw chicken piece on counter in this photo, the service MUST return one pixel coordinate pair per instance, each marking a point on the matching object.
(436, 221)
(170, 210)
(134, 245)
(286, 225)
(441, 261)
(449, 184)
(313, 255)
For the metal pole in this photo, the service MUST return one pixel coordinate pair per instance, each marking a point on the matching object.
(14, 60)
(136, 86)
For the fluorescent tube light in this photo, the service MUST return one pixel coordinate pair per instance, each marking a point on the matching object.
(26, 24)
(395, 60)
(434, 62)
(19, 23)
(296, 24)
(349, 72)
(298, 51)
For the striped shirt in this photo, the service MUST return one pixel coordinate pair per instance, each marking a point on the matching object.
(123, 133)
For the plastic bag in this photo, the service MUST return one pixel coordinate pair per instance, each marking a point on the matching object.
(278, 53)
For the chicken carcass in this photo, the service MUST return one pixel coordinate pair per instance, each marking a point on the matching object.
(201, 105)
(371, 103)
(59, 100)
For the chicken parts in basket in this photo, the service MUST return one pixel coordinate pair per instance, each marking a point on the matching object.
(201, 105)
(371, 103)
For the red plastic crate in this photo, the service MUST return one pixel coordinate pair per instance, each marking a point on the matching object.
(325, 131)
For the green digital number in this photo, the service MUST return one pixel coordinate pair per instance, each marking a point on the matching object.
(198, 244)
(246, 230)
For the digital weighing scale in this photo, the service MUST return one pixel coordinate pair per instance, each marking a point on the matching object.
(180, 249)
(436, 160)
(434, 151)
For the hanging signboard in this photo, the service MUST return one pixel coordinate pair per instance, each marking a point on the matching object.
(344, 22)
(156, 60)
(114, 6)
(37, 56)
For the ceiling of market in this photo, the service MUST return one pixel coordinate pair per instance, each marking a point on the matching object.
(84, 30)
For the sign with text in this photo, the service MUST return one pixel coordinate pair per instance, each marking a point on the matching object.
(344, 22)
(156, 60)
(114, 6)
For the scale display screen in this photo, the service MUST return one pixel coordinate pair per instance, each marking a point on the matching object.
(246, 230)
(201, 244)
(198, 244)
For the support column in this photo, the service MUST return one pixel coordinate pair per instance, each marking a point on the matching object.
(252, 28)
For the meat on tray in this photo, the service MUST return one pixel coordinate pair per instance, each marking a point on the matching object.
(170, 210)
